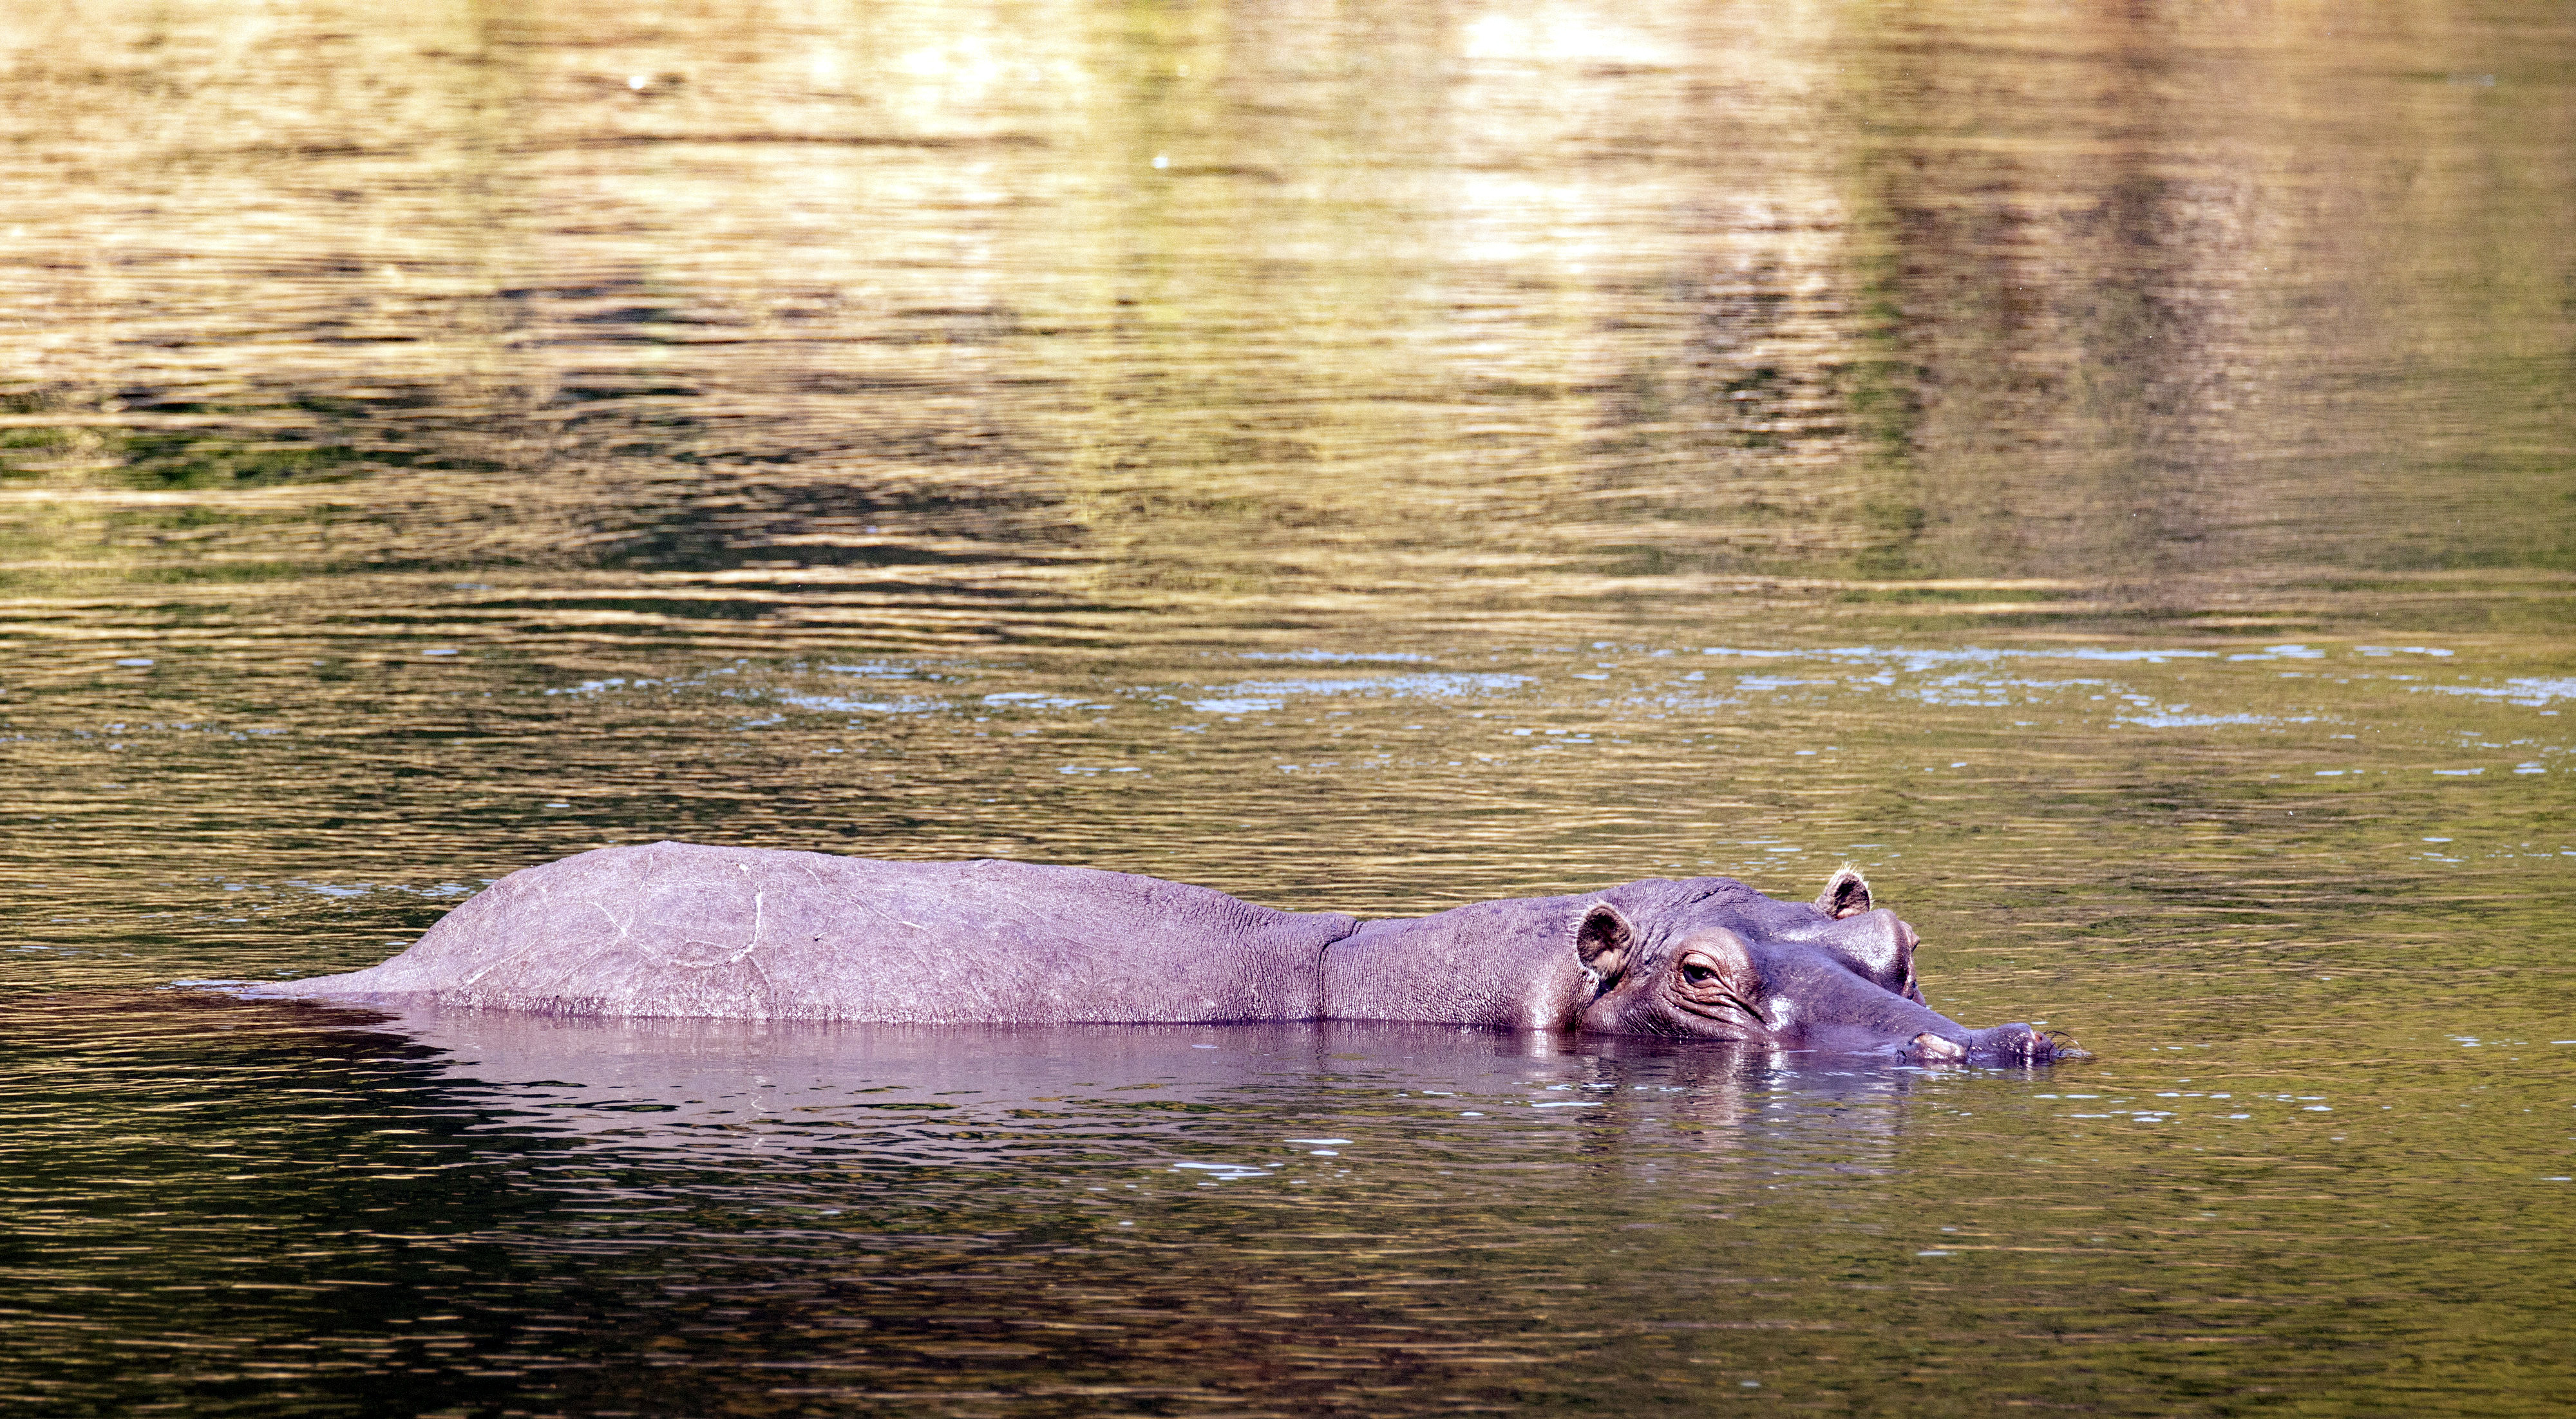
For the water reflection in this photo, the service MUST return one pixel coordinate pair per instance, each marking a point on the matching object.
(1035, 1097)
(550, 1209)
(373, 1212)
(936, 325)
(2094, 468)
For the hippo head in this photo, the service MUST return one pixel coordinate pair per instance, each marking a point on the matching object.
(1836, 976)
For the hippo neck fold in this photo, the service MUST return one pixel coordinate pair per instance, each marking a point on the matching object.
(1507, 965)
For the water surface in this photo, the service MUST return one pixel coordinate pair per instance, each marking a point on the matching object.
(2105, 474)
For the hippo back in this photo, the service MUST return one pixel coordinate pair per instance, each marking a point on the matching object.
(683, 930)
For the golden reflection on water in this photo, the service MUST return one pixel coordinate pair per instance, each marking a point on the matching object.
(934, 323)
(2104, 470)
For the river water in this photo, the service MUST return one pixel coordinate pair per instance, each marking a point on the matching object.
(2106, 471)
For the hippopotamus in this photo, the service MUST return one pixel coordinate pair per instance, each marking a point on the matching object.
(688, 930)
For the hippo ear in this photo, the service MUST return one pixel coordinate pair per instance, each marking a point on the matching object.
(1846, 895)
(1602, 942)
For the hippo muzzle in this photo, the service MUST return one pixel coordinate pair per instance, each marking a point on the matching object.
(2002, 1045)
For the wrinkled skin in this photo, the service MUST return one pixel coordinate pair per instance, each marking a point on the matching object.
(692, 931)
(1844, 984)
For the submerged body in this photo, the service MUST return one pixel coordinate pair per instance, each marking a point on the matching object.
(683, 930)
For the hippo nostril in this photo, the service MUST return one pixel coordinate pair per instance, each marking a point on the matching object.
(1933, 1047)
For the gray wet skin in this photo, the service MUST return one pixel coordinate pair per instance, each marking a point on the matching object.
(680, 930)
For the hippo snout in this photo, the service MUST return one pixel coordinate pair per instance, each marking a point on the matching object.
(2012, 1044)
(2003, 1044)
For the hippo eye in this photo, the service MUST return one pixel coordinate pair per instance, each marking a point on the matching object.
(1699, 973)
